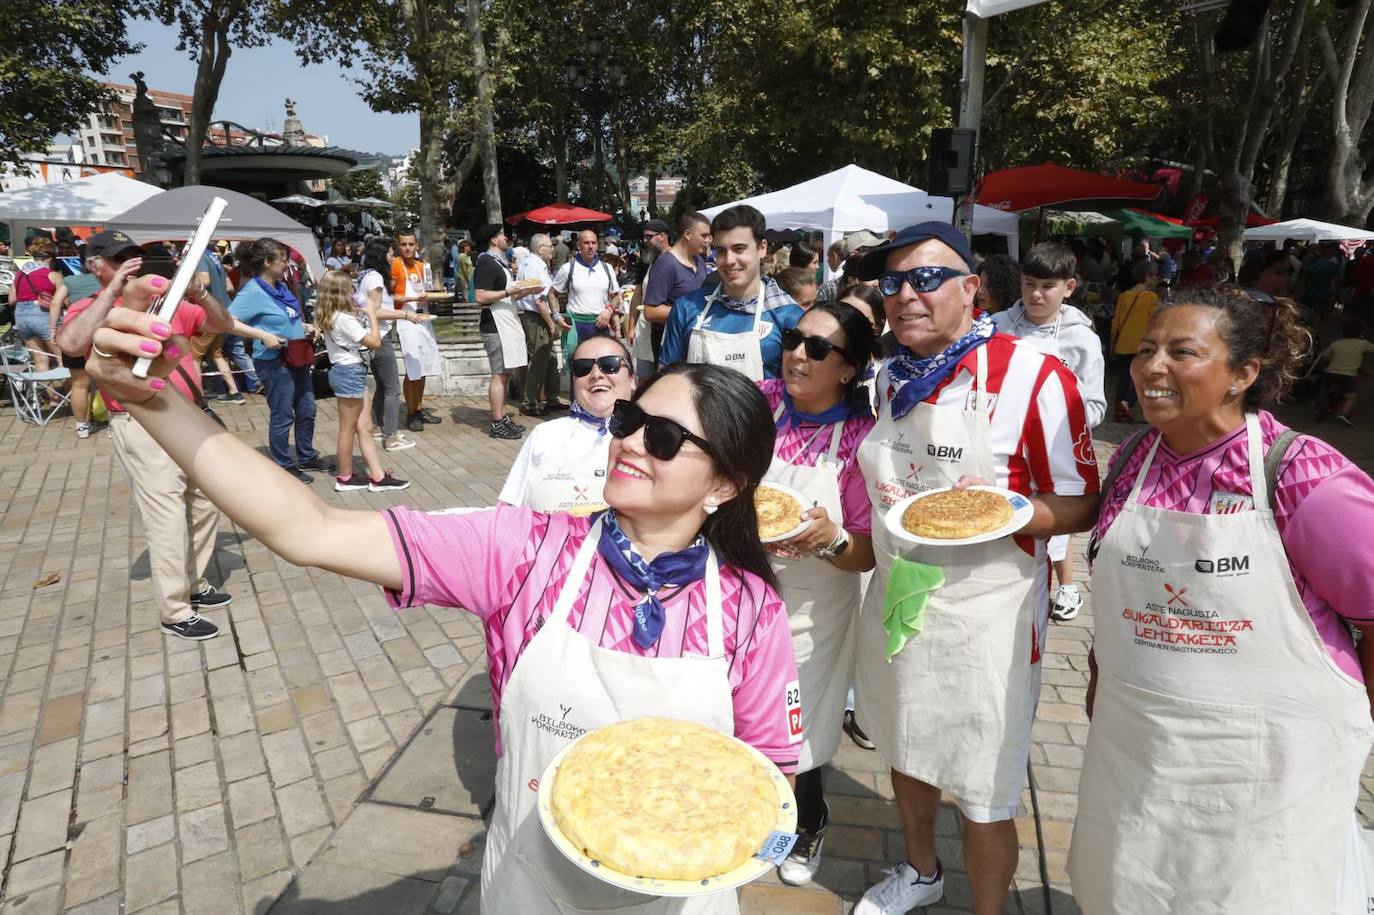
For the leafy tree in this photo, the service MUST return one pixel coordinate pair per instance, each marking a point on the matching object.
(1350, 172)
(359, 183)
(51, 45)
(209, 30)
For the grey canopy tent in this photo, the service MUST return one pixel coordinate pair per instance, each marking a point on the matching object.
(171, 215)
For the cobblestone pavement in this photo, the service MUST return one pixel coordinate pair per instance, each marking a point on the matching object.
(264, 769)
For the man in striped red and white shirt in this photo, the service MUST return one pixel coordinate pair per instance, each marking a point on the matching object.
(947, 680)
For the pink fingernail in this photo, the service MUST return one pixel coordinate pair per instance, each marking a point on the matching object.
(161, 329)
(158, 282)
(157, 384)
(150, 347)
(173, 352)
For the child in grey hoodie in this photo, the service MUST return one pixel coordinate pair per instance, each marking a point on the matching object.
(1043, 318)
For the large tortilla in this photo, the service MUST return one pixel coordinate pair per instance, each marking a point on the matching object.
(957, 514)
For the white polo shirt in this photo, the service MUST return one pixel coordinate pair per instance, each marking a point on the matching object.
(586, 289)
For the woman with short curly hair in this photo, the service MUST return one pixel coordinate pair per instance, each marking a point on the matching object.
(1229, 703)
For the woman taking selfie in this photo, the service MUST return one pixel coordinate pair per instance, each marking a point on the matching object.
(1229, 705)
(596, 614)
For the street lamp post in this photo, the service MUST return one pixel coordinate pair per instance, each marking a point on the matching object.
(594, 80)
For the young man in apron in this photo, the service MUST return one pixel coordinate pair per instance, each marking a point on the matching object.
(738, 323)
(411, 279)
(951, 709)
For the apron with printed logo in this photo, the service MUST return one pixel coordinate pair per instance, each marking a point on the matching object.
(822, 608)
(1224, 755)
(954, 707)
(743, 352)
(419, 348)
(570, 482)
(563, 686)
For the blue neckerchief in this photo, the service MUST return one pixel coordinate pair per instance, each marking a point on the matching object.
(773, 297)
(791, 416)
(600, 423)
(916, 377)
(680, 568)
(283, 297)
(591, 268)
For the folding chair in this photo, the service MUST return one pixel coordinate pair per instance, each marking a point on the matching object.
(28, 387)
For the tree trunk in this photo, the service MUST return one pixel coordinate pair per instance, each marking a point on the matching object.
(560, 168)
(486, 108)
(1300, 101)
(428, 162)
(214, 57)
(598, 165)
(653, 194)
(1350, 195)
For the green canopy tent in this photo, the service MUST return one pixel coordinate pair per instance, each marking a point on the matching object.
(1148, 225)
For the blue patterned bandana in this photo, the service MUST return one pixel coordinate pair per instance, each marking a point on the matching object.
(916, 377)
(773, 297)
(680, 568)
(599, 423)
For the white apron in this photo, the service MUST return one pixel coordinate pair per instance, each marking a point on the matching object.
(563, 686)
(509, 330)
(1224, 756)
(419, 348)
(954, 707)
(738, 351)
(570, 483)
(822, 610)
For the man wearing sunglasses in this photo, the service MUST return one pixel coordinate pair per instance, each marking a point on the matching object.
(738, 323)
(951, 708)
(562, 464)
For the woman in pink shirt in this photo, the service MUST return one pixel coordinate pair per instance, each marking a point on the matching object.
(1230, 717)
(663, 605)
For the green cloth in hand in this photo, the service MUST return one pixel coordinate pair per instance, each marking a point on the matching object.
(909, 586)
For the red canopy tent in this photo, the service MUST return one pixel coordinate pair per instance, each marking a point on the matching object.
(560, 214)
(1252, 220)
(1050, 185)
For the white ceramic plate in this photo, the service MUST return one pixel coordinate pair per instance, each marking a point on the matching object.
(1021, 509)
(750, 870)
(805, 504)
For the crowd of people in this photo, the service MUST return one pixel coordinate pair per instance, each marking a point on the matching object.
(622, 574)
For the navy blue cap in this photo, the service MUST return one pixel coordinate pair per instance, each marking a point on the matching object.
(874, 261)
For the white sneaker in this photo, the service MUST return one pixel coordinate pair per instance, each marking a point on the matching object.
(902, 890)
(83, 430)
(805, 858)
(1067, 602)
(398, 442)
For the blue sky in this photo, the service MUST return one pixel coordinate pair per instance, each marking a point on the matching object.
(257, 82)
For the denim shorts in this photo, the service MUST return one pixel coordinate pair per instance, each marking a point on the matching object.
(31, 320)
(348, 380)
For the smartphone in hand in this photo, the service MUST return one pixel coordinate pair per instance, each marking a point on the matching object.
(166, 307)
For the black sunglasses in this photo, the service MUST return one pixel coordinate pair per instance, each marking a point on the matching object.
(1264, 298)
(922, 279)
(817, 348)
(609, 365)
(663, 437)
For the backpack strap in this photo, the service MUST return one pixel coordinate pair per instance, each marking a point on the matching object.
(1120, 458)
(1273, 458)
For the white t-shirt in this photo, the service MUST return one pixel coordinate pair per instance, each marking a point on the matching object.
(585, 289)
(566, 441)
(533, 268)
(369, 281)
(338, 263)
(342, 341)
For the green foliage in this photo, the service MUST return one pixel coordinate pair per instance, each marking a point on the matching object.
(50, 48)
(361, 182)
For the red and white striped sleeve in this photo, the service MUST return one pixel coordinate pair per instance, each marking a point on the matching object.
(1056, 439)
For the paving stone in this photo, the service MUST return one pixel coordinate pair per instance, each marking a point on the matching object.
(450, 760)
(324, 731)
(210, 887)
(202, 833)
(368, 734)
(261, 849)
(147, 724)
(325, 886)
(251, 800)
(286, 756)
(306, 846)
(39, 902)
(44, 870)
(54, 768)
(336, 762)
(61, 718)
(190, 718)
(242, 756)
(259, 895)
(93, 870)
(104, 719)
(150, 834)
(198, 786)
(301, 807)
(276, 718)
(150, 877)
(192, 750)
(42, 824)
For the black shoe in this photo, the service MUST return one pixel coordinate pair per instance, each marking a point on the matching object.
(323, 465)
(236, 399)
(429, 417)
(527, 410)
(555, 406)
(856, 733)
(352, 484)
(211, 599)
(414, 423)
(504, 428)
(194, 628)
(387, 483)
(300, 475)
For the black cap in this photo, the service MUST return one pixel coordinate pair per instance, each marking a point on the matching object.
(656, 225)
(110, 241)
(874, 261)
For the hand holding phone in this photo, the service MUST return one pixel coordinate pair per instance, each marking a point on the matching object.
(190, 263)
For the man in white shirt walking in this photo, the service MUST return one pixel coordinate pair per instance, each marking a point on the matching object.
(539, 380)
(588, 285)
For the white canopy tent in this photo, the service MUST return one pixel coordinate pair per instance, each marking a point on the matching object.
(172, 214)
(1306, 230)
(92, 201)
(853, 198)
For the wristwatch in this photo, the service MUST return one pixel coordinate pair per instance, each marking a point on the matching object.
(837, 546)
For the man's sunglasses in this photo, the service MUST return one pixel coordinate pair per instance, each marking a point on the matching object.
(663, 437)
(921, 279)
(609, 365)
(817, 348)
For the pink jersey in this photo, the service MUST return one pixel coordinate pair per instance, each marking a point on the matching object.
(1323, 505)
(802, 446)
(507, 566)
